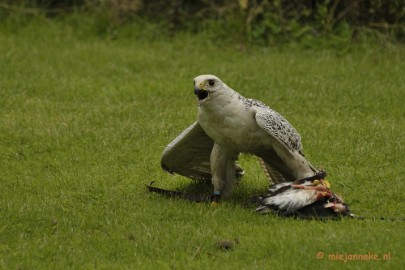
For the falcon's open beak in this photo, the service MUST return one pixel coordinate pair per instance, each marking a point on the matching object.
(201, 95)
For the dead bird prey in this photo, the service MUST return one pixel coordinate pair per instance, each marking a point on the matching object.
(227, 125)
(306, 198)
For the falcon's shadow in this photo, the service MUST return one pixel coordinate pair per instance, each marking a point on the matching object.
(201, 191)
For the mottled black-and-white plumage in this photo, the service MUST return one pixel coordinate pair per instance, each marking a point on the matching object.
(227, 125)
(274, 123)
(281, 129)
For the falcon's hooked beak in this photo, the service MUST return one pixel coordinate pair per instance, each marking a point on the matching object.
(201, 95)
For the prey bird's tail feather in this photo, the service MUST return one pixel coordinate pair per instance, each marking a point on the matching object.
(179, 194)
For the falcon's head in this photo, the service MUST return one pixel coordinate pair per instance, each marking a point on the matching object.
(206, 85)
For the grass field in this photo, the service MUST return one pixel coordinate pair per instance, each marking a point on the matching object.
(83, 122)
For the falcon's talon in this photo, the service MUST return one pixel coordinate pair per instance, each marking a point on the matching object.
(215, 204)
(215, 198)
(326, 183)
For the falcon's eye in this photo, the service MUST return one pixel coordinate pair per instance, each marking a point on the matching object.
(211, 82)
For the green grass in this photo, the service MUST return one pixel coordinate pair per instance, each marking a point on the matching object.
(83, 121)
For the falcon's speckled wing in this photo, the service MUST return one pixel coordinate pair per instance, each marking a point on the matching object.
(289, 140)
(278, 127)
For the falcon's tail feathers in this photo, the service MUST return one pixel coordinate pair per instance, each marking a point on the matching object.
(272, 174)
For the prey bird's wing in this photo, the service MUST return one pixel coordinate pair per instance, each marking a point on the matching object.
(189, 154)
(282, 197)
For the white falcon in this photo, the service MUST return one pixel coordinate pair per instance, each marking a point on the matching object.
(227, 125)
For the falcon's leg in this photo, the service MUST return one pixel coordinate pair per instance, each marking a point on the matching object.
(223, 169)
